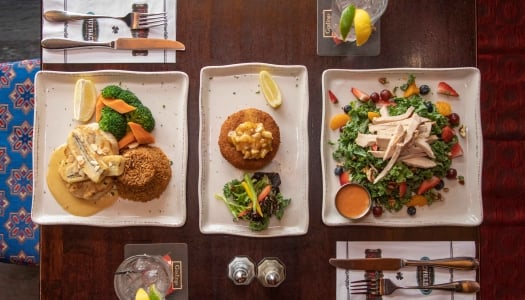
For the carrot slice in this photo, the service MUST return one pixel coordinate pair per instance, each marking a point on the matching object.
(244, 213)
(118, 105)
(127, 139)
(98, 107)
(265, 191)
(141, 135)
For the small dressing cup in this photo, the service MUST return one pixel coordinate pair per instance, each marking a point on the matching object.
(353, 201)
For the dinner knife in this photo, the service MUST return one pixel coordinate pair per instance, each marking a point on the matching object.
(392, 264)
(118, 44)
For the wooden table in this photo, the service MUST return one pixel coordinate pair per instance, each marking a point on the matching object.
(77, 262)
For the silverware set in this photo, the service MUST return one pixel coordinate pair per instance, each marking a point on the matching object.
(135, 20)
(385, 286)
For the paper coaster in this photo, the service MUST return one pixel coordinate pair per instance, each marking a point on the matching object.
(179, 255)
(326, 45)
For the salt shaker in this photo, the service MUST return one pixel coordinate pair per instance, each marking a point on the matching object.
(241, 270)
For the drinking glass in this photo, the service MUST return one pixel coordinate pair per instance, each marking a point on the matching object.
(375, 9)
(141, 271)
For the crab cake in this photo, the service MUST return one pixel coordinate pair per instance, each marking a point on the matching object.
(146, 176)
(249, 139)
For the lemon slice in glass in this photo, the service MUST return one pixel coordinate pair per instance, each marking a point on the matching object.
(362, 26)
(84, 99)
(141, 295)
(270, 89)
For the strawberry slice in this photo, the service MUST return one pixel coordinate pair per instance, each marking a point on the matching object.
(455, 151)
(344, 177)
(447, 134)
(360, 95)
(445, 89)
(428, 184)
(402, 189)
(332, 97)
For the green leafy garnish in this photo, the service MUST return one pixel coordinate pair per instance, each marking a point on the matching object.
(241, 198)
(357, 160)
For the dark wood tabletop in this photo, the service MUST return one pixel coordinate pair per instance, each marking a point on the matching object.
(77, 262)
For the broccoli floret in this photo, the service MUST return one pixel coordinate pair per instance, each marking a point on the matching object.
(113, 122)
(130, 98)
(111, 91)
(143, 116)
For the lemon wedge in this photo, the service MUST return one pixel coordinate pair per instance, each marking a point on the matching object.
(84, 99)
(141, 295)
(362, 26)
(270, 89)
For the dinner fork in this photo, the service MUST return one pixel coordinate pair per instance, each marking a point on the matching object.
(385, 286)
(135, 20)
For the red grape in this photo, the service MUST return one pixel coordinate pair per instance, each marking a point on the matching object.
(377, 210)
(385, 95)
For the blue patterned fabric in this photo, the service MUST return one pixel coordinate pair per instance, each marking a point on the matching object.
(19, 236)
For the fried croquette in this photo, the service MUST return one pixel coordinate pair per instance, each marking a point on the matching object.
(147, 173)
(235, 157)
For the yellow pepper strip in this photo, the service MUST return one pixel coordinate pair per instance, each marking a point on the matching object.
(253, 197)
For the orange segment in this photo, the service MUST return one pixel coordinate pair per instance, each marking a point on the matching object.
(443, 108)
(373, 114)
(339, 120)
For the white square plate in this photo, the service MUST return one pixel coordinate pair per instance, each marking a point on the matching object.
(463, 204)
(165, 93)
(225, 90)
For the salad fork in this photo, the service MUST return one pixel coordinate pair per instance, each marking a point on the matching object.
(135, 20)
(385, 286)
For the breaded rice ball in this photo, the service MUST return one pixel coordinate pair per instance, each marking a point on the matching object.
(235, 157)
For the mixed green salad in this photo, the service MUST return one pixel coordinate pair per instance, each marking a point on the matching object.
(255, 198)
(402, 182)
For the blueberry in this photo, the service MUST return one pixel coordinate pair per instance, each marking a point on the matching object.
(440, 185)
(424, 89)
(338, 170)
(347, 108)
(411, 210)
(430, 106)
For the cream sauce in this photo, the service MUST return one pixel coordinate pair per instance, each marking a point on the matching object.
(73, 205)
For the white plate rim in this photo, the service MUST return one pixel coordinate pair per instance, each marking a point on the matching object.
(469, 219)
(241, 229)
(39, 217)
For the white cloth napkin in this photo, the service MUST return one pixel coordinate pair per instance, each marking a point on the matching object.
(408, 275)
(108, 30)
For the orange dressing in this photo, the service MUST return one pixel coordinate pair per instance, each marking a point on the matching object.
(352, 201)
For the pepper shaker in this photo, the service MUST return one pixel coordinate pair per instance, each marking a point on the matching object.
(271, 272)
